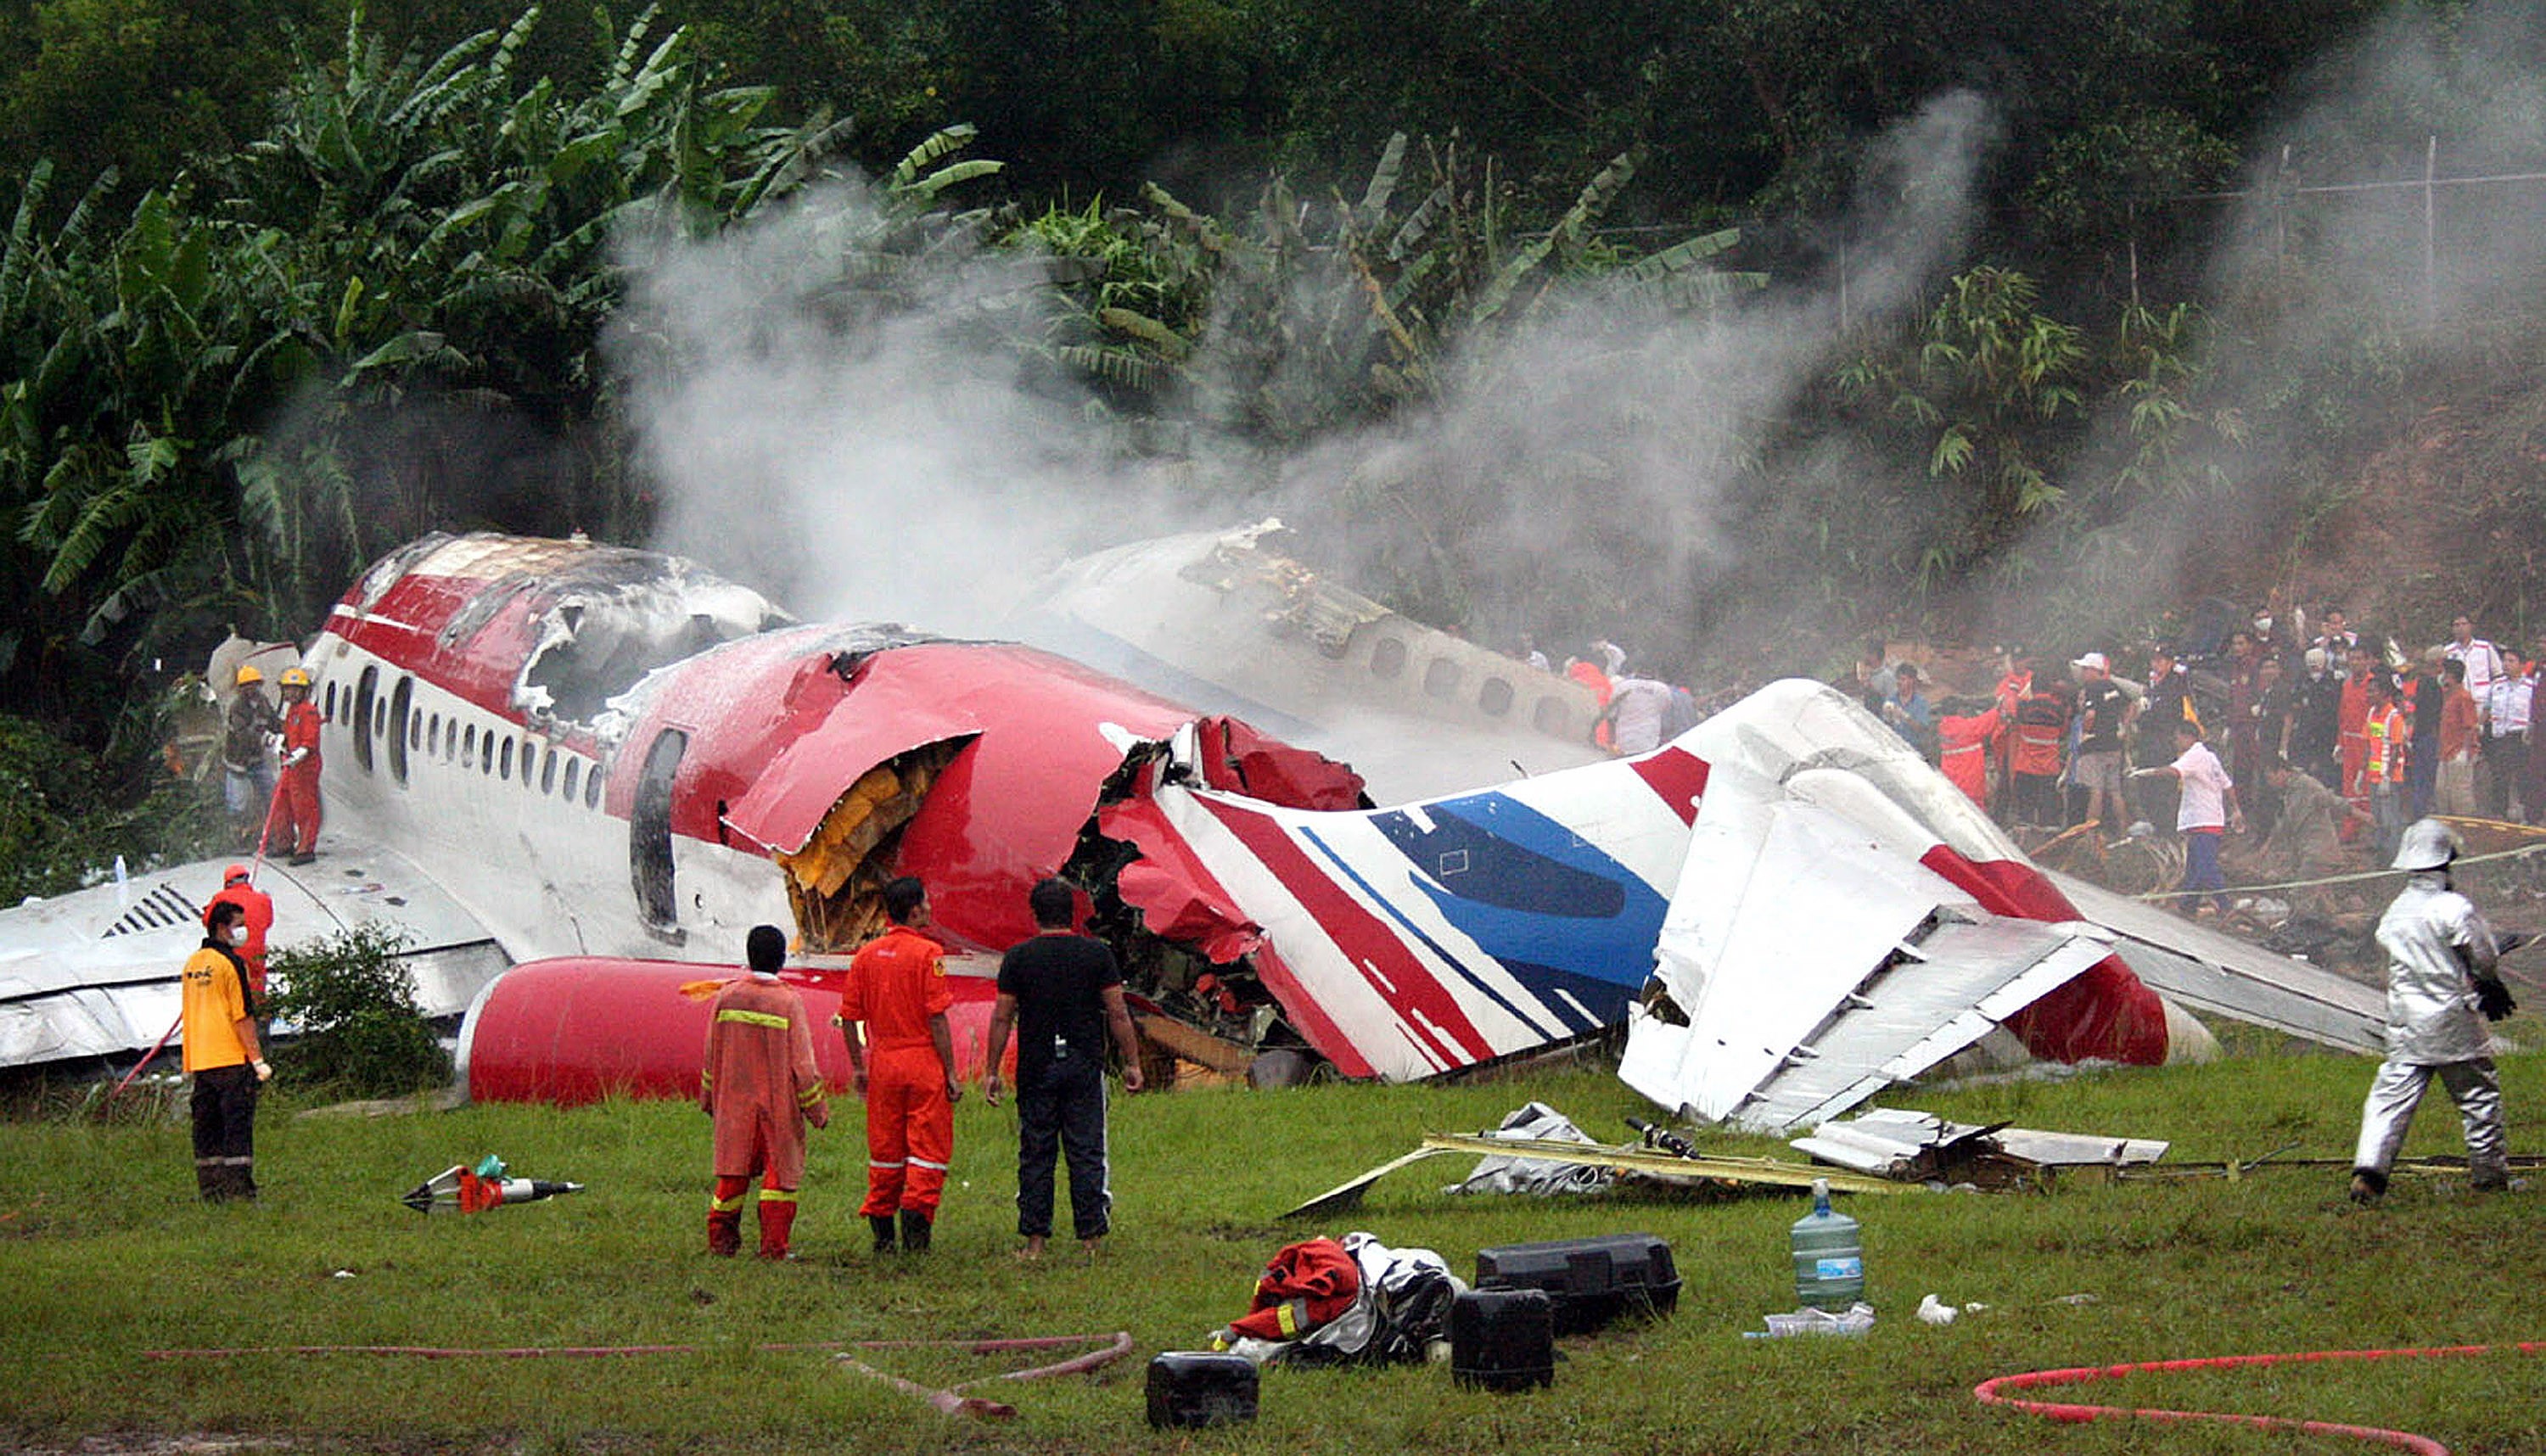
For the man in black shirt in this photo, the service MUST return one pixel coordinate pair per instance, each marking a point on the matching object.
(1062, 992)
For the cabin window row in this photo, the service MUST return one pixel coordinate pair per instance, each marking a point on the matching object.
(493, 754)
(1442, 677)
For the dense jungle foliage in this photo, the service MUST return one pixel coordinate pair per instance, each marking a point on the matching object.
(1741, 322)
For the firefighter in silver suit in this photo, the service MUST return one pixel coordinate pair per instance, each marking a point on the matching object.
(2442, 986)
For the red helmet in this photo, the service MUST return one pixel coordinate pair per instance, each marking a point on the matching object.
(232, 875)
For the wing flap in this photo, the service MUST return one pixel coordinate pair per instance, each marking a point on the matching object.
(2205, 971)
(1815, 966)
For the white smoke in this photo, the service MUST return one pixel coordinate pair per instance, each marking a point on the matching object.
(862, 461)
(862, 447)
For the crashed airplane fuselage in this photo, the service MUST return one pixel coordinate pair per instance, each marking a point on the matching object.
(584, 752)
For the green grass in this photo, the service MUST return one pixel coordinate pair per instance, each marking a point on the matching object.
(107, 1254)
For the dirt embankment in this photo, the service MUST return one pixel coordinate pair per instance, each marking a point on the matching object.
(2449, 518)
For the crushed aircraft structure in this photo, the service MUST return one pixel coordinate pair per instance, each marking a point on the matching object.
(1225, 622)
(546, 749)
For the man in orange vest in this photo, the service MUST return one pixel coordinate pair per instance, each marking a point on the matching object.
(239, 889)
(222, 1056)
(896, 987)
(2041, 730)
(296, 803)
(2384, 738)
(760, 1084)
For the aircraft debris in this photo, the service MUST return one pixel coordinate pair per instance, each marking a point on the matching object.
(1542, 1176)
(1624, 1157)
(1921, 1148)
(461, 1188)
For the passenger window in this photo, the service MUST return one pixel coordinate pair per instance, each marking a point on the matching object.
(592, 788)
(433, 735)
(469, 748)
(1441, 679)
(573, 772)
(548, 773)
(1496, 697)
(1548, 717)
(401, 718)
(1387, 657)
(365, 698)
(505, 772)
(331, 702)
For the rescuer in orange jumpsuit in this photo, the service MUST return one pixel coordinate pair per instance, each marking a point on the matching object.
(761, 1085)
(238, 888)
(296, 803)
(2351, 716)
(897, 986)
(1964, 739)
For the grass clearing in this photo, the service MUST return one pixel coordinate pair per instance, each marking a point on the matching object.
(109, 1256)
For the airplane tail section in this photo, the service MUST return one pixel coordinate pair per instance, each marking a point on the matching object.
(1408, 941)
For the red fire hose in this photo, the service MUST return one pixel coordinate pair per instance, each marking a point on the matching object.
(1988, 1391)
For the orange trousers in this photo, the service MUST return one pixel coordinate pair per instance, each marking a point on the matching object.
(295, 813)
(911, 1131)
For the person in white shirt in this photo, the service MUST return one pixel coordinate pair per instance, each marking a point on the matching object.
(1635, 714)
(2205, 809)
(2505, 736)
(2482, 659)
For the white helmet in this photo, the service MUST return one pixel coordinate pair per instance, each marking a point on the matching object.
(2427, 844)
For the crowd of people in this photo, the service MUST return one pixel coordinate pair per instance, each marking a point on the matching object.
(2323, 740)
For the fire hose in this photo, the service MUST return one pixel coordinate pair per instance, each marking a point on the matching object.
(1989, 1392)
(949, 1400)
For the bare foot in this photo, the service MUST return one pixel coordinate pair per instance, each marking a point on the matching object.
(1032, 1253)
(1094, 1248)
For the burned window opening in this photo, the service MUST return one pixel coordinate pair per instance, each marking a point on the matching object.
(835, 883)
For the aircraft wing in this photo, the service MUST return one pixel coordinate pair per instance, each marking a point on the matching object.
(1808, 966)
(2206, 971)
(94, 972)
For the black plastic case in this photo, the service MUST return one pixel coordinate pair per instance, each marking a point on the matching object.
(1593, 1281)
(1504, 1340)
(1201, 1388)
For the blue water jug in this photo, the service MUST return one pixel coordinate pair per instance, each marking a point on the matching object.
(1829, 1263)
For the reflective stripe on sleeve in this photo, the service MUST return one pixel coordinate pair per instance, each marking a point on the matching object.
(752, 1019)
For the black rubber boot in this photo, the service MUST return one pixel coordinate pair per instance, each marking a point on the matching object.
(881, 1224)
(914, 1231)
(209, 1186)
(2368, 1185)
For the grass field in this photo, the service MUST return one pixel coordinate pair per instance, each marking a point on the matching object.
(107, 1256)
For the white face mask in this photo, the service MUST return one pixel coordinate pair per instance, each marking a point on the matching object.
(238, 935)
(2264, 624)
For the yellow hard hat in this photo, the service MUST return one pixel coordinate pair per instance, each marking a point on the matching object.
(295, 677)
(248, 675)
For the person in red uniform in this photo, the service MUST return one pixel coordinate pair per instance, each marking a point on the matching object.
(239, 888)
(761, 1084)
(2351, 718)
(1963, 740)
(897, 989)
(296, 802)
